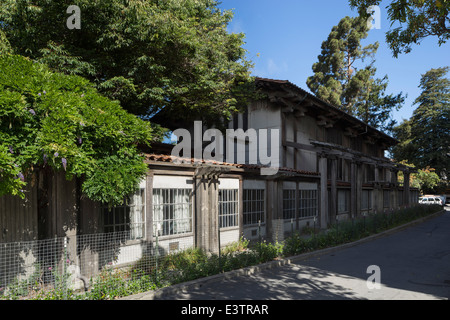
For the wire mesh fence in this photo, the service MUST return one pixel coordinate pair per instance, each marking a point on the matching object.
(25, 266)
(67, 266)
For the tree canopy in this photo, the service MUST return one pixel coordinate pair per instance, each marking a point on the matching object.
(425, 138)
(341, 79)
(426, 180)
(52, 121)
(417, 20)
(151, 55)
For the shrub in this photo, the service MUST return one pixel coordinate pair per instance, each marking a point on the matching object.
(268, 251)
(296, 244)
(110, 284)
(237, 246)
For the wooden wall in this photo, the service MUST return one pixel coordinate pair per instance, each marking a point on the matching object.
(19, 217)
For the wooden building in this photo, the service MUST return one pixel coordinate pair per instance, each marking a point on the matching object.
(330, 165)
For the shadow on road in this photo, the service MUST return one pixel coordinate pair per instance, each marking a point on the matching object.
(414, 264)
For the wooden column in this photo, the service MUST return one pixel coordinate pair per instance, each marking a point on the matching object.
(406, 188)
(354, 190)
(297, 209)
(241, 206)
(323, 166)
(394, 189)
(213, 213)
(149, 210)
(202, 223)
(333, 194)
(359, 186)
(269, 208)
(376, 191)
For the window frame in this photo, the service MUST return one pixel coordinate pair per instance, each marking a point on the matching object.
(168, 225)
(228, 201)
(312, 203)
(386, 198)
(346, 201)
(369, 200)
(112, 223)
(254, 210)
(289, 206)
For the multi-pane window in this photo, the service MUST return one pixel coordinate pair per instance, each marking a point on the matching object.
(253, 206)
(288, 204)
(228, 208)
(366, 200)
(400, 197)
(386, 198)
(340, 166)
(334, 136)
(369, 173)
(343, 201)
(172, 211)
(128, 217)
(307, 203)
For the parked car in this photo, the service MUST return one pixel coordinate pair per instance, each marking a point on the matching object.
(431, 200)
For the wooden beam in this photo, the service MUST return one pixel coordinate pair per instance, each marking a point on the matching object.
(300, 112)
(301, 146)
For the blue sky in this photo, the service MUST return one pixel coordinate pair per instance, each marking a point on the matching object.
(283, 39)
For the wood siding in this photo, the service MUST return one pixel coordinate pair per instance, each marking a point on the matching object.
(19, 217)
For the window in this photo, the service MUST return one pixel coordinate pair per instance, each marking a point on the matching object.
(357, 143)
(386, 198)
(172, 210)
(228, 208)
(366, 200)
(343, 201)
(334, 135)
(369, 173)
(128, 217)
(288, 204)
(371, 149)
(253, 206)
(307, 203)
(340, 169)
(400, 197)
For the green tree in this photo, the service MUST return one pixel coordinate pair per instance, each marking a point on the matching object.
(5, 47)
(426, 180)
(151, 55)
(417, 19)
(55, 122)
(338, 80)
(430, 123)
(405, 149)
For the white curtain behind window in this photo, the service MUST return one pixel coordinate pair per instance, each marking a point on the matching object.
(137, 214)
(182, 211)
(172, 210)
(158, 207)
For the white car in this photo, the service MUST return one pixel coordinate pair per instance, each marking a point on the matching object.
(431, 200)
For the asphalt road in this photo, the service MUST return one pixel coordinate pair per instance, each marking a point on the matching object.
(413, 264)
